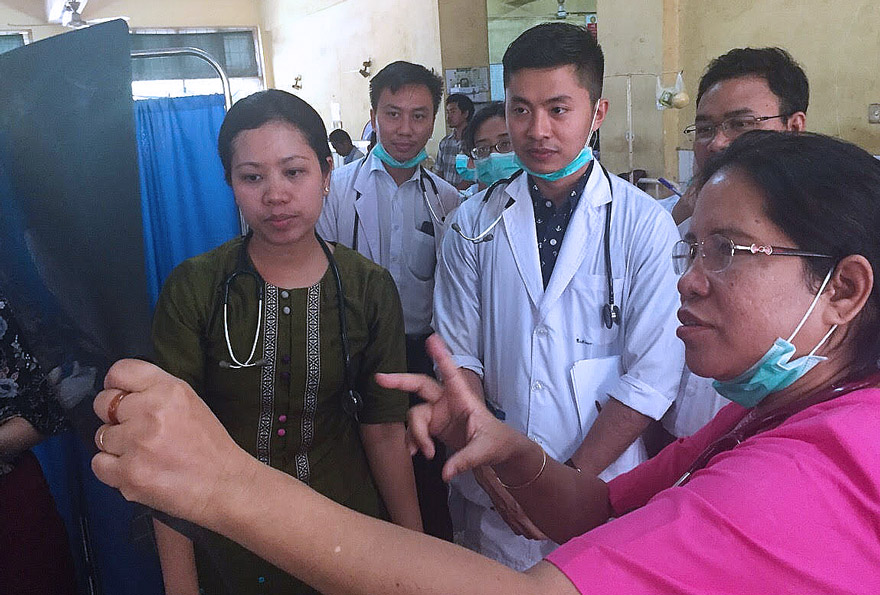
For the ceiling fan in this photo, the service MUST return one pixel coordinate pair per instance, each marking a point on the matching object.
(72, 16)
(68, 14)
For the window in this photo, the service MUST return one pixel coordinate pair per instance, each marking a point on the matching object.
(236, 50)
(9, 40)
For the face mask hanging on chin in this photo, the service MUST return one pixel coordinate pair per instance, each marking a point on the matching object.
(582, 158)
(380, 152)
(774, 372)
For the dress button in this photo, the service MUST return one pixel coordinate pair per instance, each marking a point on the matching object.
(281, 431)
(542, 330)
(285, 375)
(538, 385)
(282, 418)
(286, 309)
(285, 359)
(285, 294)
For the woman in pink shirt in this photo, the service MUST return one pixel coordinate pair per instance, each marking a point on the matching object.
(780, 493)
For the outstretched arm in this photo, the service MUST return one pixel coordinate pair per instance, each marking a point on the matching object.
(171, 453)
(559, 500)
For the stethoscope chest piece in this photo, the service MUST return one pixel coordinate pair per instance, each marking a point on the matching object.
(610, 315)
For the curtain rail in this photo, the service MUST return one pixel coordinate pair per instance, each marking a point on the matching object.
(164, 52)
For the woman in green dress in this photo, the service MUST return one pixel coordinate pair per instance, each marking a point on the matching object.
(255, 327)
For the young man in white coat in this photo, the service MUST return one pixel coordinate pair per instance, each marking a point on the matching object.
(393, 211)
(564, 311)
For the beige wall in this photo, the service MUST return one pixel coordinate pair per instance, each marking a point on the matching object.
(464, 39)
(327, 41)
(837, 43)
(507, 20)
(143, 13)
(631, 35)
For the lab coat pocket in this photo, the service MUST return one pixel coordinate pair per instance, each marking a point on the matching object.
(590, 294)
(593, 380)
(422, 255)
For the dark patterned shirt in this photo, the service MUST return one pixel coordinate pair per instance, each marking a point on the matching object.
(551, 222)
(24, 390)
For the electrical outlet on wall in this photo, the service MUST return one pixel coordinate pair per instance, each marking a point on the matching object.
(874, 113)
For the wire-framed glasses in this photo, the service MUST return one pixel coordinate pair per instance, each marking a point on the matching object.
(704, 132)
(504, 146)
(717, 252)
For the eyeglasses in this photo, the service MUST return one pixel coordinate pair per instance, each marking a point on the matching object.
(717, 253)
(703, 132)
(504, 146)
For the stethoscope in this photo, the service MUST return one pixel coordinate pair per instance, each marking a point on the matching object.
(610, 311)
(352, 402)
(423, 175)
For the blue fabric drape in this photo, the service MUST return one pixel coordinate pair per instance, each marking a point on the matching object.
(187, 206)
(187, 209)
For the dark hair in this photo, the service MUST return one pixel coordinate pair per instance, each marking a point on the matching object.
(464, 104)
(340, 136)
(491, 110)
(824, 193)
(273, 105)
(399, 74)
(785, 78)
(549, 45)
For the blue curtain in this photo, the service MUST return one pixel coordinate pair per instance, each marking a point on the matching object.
(187, 206)
(187, 209)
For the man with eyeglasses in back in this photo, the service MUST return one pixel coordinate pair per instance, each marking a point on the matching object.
(745, 89)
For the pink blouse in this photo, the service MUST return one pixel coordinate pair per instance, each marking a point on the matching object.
(795, 509)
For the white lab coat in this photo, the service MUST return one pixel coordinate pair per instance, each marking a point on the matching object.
(492, 309)
(393, 228)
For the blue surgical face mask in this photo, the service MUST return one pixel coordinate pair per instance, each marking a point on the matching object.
(380, 152)
(462, 169)
(497, 166)
(583, 158)
(774, 372)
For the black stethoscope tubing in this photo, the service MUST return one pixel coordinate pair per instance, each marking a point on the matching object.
(611, 314)
(423, 175)
(352, 402)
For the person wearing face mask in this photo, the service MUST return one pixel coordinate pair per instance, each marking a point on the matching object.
(558, 279)
(391, 209)
(777, 494)
(487, 146)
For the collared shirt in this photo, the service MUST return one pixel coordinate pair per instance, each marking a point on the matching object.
(551, 222)
(445, 164)
(544, 354)
(395, 229)
(353, 156)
